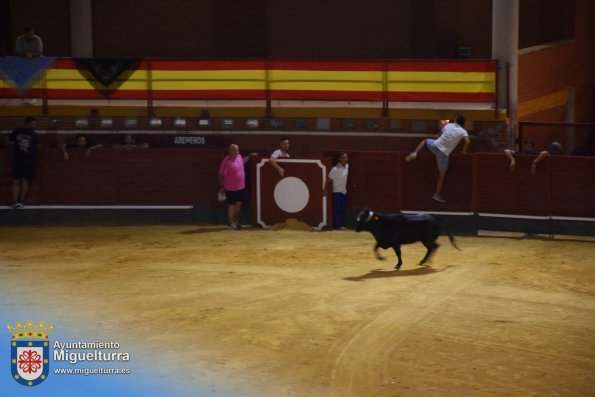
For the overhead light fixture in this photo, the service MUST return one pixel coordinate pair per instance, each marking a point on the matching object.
(276, 123)
(106, 122)
(155, 122)
(81, 123)
(372, 124)
(347, 124)
(323, 123)
(299, 123)
(131, 123)
(227, 123)
(180, 122)
(395, 124)
(252, 123)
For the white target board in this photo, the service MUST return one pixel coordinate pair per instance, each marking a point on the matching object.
(298, 194)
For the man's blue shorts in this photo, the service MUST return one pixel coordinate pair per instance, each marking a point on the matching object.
(441, 158)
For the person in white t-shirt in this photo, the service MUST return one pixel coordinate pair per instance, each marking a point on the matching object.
(452, 134)
(338, 178)
(282, 152)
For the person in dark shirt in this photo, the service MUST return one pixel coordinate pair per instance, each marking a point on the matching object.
(28, 44)
(80, 143)
(129, 143)
(528, 148)
(24, 159)
(554, 149)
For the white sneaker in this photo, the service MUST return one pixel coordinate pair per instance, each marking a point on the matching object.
(411, 156)
(438, 198)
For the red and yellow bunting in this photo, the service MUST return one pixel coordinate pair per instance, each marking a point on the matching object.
(436, 81)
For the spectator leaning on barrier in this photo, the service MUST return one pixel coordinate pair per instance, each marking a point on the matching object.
(80, 143)
(130, 144)
(232, 181)
(451, 135)
(28, 44)
(24, 160)
(282, 152)
(528, 148)
(554, 149)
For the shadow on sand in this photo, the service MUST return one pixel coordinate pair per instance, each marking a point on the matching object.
(210, 229)
(379, 273)
(213, 229)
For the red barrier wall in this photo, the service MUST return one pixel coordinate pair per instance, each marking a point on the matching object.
(573, 186)
(518, 192)
(478, 182)
(121, 177)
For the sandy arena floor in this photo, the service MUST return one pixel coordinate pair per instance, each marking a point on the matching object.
(299, 313)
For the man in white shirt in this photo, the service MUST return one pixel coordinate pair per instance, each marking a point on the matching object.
(338, 177)
(282, 152)
(452, 134)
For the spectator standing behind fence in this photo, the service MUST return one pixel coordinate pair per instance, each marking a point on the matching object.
(451, 135)
(24, 160)
(282, 152)
(130, 144)
(528, 149)
(232, 181)
(80, 143)
(338, 178)
(28, 44)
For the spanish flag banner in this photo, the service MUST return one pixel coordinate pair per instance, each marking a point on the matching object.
(392, 80)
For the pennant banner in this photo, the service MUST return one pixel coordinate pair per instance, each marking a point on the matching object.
(107, 70)
(22, 73)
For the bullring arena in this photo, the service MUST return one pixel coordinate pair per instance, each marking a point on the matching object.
(121, 236)
(301, 313)
(132, 244)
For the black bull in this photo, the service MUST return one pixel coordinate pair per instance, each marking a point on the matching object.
(392, 230)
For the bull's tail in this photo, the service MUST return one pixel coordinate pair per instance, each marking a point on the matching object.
(452, 241)
(447, 231)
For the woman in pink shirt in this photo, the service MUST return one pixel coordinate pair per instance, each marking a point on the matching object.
(232, 180)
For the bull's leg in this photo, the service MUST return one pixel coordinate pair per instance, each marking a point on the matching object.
(431, 247)
(397, 249)
(380, 258)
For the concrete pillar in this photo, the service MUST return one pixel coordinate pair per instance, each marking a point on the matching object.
(571, 132)
(505, 48)
(81, 28)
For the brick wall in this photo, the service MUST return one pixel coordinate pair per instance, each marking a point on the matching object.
(543, 71)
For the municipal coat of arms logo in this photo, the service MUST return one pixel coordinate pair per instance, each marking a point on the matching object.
(29, 352)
